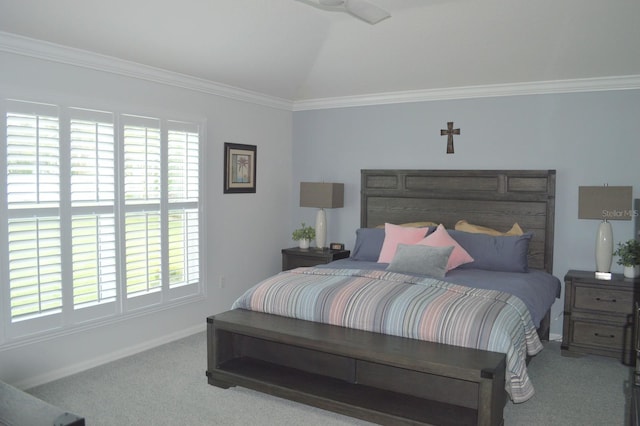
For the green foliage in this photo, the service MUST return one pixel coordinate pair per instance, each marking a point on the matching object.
(629, 253)
(304, 233)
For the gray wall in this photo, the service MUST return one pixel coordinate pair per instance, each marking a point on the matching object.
(588, 138)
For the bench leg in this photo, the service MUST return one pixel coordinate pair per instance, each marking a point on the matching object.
(491, 401)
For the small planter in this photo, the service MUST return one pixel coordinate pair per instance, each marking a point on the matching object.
(303, 235)
(303, 243)
(632, 271)
(629, 257)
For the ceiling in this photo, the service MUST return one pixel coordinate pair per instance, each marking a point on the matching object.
(289, 50)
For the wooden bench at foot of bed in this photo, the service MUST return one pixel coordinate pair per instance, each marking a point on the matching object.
(375, 377)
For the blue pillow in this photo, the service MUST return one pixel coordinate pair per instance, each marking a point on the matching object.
(368, 244)
(495, 253)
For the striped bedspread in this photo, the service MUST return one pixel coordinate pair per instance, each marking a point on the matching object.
(407, 306)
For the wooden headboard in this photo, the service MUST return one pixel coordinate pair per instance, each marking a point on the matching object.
(493, 198)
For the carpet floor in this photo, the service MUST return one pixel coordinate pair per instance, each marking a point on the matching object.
(167, 386)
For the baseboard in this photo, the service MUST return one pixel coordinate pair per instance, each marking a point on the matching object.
(555, 337)
(113, 356)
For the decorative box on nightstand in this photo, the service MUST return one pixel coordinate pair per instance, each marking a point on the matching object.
(598, 315)
(296, 257)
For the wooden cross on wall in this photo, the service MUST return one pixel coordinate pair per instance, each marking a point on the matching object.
(449, 131)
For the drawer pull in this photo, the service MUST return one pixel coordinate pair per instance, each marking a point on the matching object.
(610, 336)
(606, 300)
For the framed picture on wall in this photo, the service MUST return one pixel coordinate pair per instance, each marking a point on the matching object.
(239, 168)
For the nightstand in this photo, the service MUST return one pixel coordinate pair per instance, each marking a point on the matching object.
(598, 315)
(295, 257)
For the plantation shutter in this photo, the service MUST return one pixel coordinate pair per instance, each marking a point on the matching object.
(142, 192)
(92, 194)
(101, 216)
(183, 188)
(33, 200)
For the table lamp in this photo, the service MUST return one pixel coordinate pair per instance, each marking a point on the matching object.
(322, 196)
(605, 203)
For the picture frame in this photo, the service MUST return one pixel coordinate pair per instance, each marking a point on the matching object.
(240, 168)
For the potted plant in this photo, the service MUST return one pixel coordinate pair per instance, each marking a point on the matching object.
(629, 257)
(304, 235)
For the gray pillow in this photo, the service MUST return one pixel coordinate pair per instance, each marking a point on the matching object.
(421, 259)
(495, 253)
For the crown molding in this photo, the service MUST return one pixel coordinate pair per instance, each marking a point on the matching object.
(12, 43)
(20, 45)
(469, 92)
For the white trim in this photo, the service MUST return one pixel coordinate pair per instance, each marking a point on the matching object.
(495, 90)
(25, 46)
(554, 337)
(12, 43)
(110, 357)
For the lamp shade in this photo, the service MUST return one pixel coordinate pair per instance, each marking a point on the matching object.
(321, 195)
(605, 202)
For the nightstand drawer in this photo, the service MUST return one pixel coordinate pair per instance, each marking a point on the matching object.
(603, 300)
(300, 261)
(603, 335)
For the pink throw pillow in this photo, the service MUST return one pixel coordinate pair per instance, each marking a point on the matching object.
(441, 238)
(394, 235)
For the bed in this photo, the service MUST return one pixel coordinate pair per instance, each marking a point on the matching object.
(366, 346)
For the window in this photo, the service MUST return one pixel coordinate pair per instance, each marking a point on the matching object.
(102, 215)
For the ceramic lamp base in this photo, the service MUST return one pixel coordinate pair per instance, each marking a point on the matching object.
(321, 229)
(604, 247)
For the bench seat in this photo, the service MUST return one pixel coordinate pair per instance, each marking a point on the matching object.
(376, 377)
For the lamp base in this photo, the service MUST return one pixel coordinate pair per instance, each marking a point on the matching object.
(604, 247)
(603, 276)
(321, 229)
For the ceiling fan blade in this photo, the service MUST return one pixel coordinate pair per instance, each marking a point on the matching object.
(366, 11)
(332, 3)
(359, 8)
